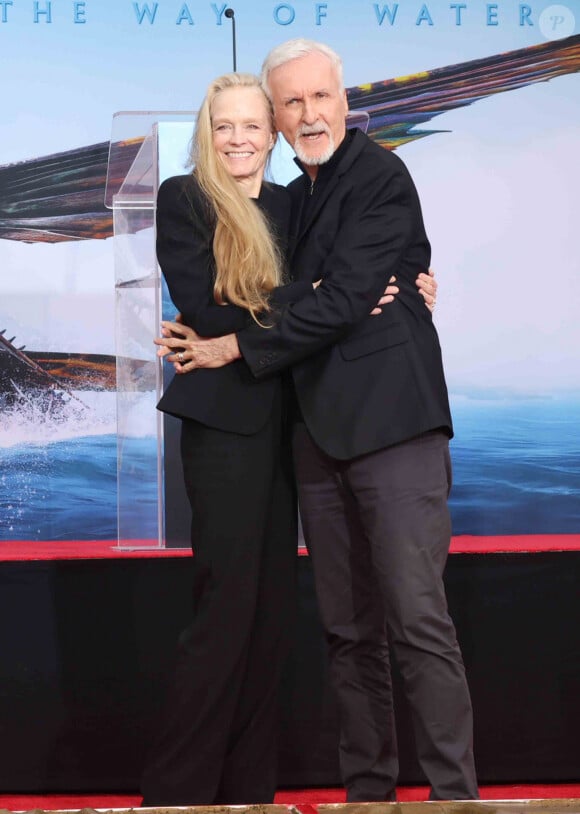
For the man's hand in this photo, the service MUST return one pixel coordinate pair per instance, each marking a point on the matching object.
(187, 351)
(426, 283)
(387, 297)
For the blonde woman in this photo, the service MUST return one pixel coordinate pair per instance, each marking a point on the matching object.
(220, 241)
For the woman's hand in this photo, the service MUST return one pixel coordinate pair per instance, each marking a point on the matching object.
(427, 285)
(186, 350)
(176, 338)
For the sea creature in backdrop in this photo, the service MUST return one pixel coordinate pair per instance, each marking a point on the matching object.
(60, 197)
(50, 381)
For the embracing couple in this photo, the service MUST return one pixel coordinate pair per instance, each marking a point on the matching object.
(306, 357)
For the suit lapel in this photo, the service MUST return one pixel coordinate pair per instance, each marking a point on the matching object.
(299, 192)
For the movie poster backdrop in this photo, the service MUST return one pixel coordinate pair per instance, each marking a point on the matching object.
(482, 102)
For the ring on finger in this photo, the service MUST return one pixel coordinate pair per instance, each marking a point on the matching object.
(180, 356)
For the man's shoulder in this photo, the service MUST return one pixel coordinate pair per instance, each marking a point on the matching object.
(372, 156)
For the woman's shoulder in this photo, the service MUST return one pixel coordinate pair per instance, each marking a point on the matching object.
(272, 190)
(179, 185)
(274, 201)
(274, 198)
(181, 194)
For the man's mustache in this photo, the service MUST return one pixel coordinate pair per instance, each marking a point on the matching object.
(311, 129)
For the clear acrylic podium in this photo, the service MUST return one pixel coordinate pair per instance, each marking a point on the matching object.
(147, 147)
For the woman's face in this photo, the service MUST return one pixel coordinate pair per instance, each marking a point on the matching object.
(242, 133)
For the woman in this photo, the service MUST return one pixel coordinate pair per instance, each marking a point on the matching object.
(220, 238)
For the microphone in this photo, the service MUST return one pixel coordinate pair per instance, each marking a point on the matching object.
(230, 14)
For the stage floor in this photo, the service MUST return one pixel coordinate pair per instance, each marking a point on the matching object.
(568, 806)
(458, 807)
(306, 800)
(46, 550)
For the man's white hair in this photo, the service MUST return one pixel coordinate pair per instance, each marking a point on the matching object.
(294, 49)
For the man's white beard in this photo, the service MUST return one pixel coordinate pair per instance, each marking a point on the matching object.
(314, 160)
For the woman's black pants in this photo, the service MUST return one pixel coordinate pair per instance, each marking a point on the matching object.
(217, 739)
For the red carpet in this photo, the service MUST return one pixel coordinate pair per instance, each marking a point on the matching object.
(303, 798)
(16, 550)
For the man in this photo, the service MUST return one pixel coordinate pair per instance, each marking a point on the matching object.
(372, 433)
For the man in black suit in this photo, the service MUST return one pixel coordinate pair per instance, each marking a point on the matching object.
(372, 433)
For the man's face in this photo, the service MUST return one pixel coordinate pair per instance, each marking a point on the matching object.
(309, 107)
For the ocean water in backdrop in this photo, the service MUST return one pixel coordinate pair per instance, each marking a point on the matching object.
(516, 465)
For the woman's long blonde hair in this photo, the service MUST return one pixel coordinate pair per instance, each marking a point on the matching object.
(248, 262)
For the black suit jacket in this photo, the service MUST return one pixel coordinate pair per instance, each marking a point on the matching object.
(228, 398)
(363, 382)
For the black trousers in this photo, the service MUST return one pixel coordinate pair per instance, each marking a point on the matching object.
(378, 530)
(217, 740)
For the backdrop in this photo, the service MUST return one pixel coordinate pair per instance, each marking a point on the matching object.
(481, 100)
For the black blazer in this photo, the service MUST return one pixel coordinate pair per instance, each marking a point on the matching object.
(363, 382)
(228, 398)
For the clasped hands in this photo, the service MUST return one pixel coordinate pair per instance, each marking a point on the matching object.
(186, 350)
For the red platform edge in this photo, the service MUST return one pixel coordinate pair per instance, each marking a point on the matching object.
(305, 800)
(31, 550)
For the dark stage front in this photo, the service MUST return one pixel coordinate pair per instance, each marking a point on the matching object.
(85, 647)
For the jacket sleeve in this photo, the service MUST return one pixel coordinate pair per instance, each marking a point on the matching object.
(373, 230)
(291, 292)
